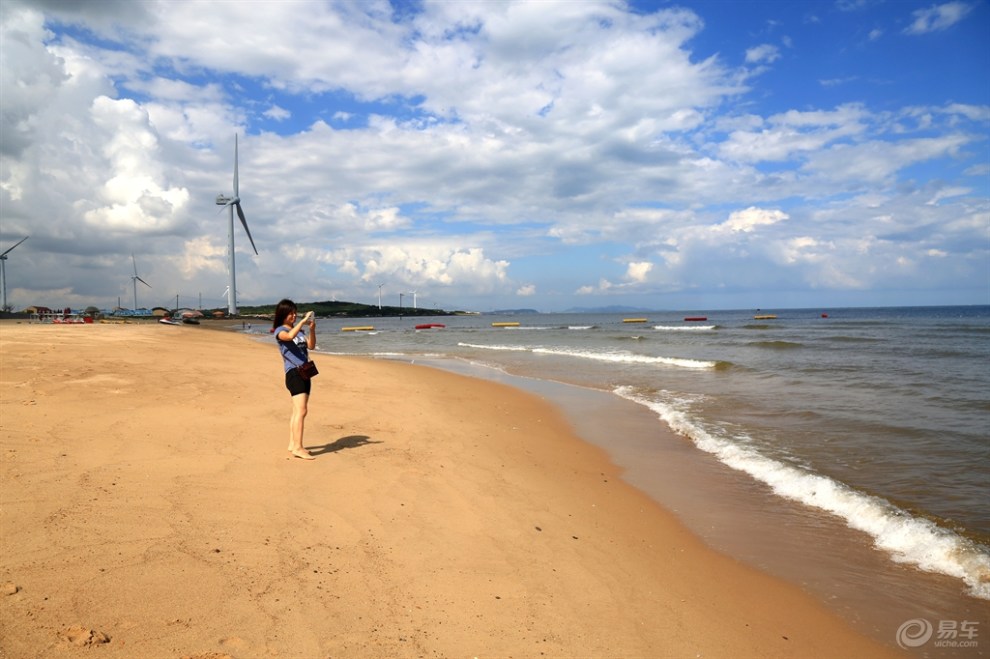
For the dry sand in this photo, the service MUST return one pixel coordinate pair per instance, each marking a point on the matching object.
(149, 510)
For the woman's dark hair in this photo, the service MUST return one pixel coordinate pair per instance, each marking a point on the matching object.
(282, 311)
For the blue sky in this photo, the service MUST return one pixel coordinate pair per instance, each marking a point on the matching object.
(551, 155)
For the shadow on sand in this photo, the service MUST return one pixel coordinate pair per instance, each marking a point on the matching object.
(351, 441)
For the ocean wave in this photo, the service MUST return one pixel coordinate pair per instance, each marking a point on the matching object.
(495, 347)
(778, 345)
(626, 358)
(683, 328)
(853, 339)
(612, 357)
(906, 538)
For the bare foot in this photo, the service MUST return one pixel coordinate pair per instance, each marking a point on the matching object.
(303, 454)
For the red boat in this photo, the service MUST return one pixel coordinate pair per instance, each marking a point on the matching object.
(430, 326)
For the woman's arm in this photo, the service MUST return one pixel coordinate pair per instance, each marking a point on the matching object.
(311, 336)
(289, 335)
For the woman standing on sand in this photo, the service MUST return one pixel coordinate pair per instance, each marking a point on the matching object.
(294, 344)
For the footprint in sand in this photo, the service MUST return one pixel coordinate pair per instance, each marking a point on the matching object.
(234, 642)
(82, 636)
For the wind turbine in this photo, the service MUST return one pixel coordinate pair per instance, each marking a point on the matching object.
(230, 203)
(3, 271)
(135, 279)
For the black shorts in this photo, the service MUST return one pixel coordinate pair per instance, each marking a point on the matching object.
(297, 384)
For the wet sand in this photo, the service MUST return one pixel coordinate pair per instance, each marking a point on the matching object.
(149, 507)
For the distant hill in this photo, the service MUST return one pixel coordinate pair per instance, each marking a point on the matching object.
(344, 309)
(512, 312)
(611, 309)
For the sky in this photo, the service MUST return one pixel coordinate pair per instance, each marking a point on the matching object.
(549, 154)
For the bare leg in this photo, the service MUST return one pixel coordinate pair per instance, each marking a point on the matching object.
(300, 407)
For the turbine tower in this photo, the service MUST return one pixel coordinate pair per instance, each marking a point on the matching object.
(230, 203)
(135, 279)
(3, 270)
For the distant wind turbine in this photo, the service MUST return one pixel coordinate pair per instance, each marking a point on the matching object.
(135, 279)
(3, 270)
(230, 203)
(414, 300)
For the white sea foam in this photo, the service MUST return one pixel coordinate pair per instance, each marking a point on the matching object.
(495, 347)
(683, 328)
(907, 539)
(626, 358)
(613, 357)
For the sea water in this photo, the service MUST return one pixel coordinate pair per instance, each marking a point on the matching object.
(854, 442)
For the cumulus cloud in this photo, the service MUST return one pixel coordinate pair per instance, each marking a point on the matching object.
(431, 264)
(938, 17)
(277, 113)
(750, 219)
(466, 138)
(639, 270)
(30, 77)
(762, 54)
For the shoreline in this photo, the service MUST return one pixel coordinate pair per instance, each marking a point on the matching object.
(444, 514)
(742, 518)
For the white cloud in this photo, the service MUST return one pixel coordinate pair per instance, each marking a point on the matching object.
(603, 286)
(134, 197)
(749, 219)
(938, 17)
(29, 78)
(638, 271)
(877, 161)
(429, 264)
(795, 133)
(277, 113)
(475, 137)
(762, 54)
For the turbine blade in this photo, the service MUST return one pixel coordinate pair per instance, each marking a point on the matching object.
(135, 265)
(15, 245)
(143, 281)
(240, 214)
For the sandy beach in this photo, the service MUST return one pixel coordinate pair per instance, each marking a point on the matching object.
(148, 507)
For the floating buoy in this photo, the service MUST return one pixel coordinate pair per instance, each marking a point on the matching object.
(765, 317)
(694, 318)
(507, 324)
(824, 315)
(634, 320)
(363, 328)
(430, 325)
